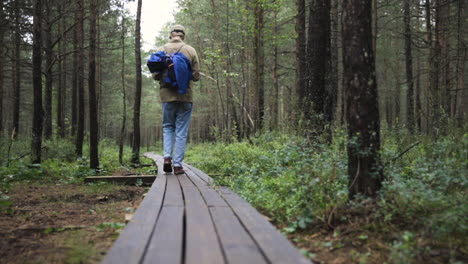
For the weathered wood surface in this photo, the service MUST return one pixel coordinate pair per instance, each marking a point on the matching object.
(200, 174)
(202, 245)
(166, 245)
(273, 244)
(184, 219)
(238, 245)
(131, 245)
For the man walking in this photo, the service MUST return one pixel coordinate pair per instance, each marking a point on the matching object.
(177, 108)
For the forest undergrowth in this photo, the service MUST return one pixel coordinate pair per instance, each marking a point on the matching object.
(420, 214)
(60, 163)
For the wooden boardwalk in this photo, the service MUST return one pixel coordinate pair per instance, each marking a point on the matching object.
(184, 220)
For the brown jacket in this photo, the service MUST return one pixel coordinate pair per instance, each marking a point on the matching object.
(169, 95)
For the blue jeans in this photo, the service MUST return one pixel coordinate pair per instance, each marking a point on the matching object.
(176, 121)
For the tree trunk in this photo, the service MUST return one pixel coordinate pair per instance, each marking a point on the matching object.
(432, 77)
(74, 90)
(418, 93)
(318, 52)
(301, 62)
(420, 86)
(99, 93)
(16, 78)
(80, 81)
(259, 65)
(333, 77)
(461, 94)
(93, 115)
(409, 66)
(61, 91)
(244, 93)
(375, 21)
(37, 83)
(124, 92)
(232, 112)
(435, 72)
(276, 99)
(364, 171)
(2, 55)
(48, 72)
(443, 10)
(136, 108)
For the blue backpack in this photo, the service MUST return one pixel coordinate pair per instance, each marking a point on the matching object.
(175, 67)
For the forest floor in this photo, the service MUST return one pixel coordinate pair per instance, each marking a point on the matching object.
(352, 243)
(64, 223)
(77, 223)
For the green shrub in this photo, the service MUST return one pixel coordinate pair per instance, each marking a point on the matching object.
(59, 162)
(280, 175)
(297, 182)
(428, 187)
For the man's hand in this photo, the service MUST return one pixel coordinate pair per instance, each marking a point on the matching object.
(157, 76)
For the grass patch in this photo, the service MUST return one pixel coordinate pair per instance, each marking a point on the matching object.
(81, 248)
(101, 188)
(60, 164)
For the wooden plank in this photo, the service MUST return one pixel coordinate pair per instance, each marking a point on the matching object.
(200, 174)
(197, 180)
(131, 244)
(273, 244)
(185, 182)
(225, 190)
(158, 160)
(173, 192)
(146, 179)
(212, 227)
(150, 155)
(237, 244)
(166, 245)
(202, 245)
(212, 198)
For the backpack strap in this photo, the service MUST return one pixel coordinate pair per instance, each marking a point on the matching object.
(180, 48)
(164, 47)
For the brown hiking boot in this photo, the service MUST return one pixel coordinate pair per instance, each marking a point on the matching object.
(179, 170)
(167, 167)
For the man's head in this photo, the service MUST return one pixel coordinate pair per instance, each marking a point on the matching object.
(177, 31)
